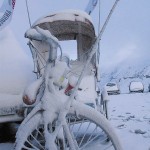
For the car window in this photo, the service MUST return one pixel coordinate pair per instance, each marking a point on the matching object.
(111, 84)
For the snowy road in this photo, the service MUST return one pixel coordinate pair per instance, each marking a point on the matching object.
(130, 115)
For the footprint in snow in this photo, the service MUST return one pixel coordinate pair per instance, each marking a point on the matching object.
(121, 126)
(139, 119)
(146, 117)
(120, 116)
(146, 135)
(138, 131)
(128, 113)
(129, 118)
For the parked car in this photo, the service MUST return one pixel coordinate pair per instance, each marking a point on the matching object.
(149, 88)
(112, 88)
(136, 86)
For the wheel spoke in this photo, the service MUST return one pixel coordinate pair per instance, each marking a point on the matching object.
(84, 134)
(37, 141)
(32, 145)
(84, 131)
(79, 128)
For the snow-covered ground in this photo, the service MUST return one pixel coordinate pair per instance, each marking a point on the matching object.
(129, 114)
(6, 146)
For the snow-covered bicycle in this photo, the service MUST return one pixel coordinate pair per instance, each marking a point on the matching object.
(63, 118)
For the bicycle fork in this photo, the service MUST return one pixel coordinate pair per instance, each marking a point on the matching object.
(51, 136)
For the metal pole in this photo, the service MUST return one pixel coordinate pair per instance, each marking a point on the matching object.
(28, 12)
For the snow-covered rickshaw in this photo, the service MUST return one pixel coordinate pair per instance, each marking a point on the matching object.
(76, 26)
(61, 107)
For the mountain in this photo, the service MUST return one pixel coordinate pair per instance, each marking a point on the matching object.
(124, 74)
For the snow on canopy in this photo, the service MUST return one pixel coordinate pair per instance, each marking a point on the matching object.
(70, 15)
(15, 66)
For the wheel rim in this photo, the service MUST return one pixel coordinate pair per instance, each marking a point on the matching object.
(88, 135)
(36, 139)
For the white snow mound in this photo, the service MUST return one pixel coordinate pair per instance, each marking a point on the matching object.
(15, 66)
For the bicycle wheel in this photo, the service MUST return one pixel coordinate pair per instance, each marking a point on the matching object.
(89, 129)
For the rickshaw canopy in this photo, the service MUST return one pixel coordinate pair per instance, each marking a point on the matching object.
(70, 25)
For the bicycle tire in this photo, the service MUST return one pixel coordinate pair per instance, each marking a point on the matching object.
(78, 114)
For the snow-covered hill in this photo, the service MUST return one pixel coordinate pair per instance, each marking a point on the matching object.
(124, 74)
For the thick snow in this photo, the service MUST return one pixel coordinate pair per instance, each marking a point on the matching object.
(71, 15)
(47, 34)
(7, 100)
(15, 66)
(136, 86)
(58, 73)
(129, 114)
(33, 34)
(31, 91)
(87, 93)
(123, 76)
(112, 87)
(73, 80)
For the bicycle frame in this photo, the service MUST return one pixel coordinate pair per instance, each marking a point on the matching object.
(61, 118)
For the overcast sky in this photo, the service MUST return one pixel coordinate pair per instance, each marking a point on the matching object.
(126, 38)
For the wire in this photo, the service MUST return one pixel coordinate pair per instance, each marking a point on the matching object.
(98, 52)
(99, 25)
(28, 12)
(107, 20)
(99, 15)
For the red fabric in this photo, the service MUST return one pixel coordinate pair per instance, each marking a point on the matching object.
(69, 87)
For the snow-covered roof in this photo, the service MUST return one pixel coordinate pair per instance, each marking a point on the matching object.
(67, 25)
(70, 15)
